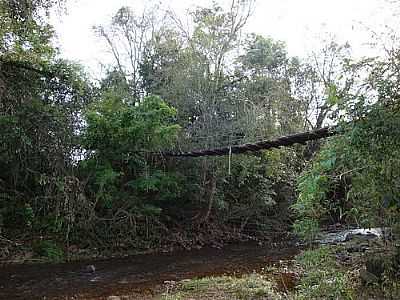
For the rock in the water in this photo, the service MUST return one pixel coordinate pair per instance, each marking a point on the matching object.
(347, 235)
(357, 247)
(90, 269)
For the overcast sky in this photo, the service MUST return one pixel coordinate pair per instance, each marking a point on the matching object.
(300, 23)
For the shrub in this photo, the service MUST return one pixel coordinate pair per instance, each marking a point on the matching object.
(248, 287)
(322, 278)
(49, 250)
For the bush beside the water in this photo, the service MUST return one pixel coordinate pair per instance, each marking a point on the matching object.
(248, 287)
(323, 278)
(49, 250)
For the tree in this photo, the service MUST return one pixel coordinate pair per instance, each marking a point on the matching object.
(334, 79)
(126, 178)
(127, 37)
(269, 79)
(40, 101)
(354, 178)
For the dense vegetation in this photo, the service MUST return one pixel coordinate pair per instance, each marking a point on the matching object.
(81, 162)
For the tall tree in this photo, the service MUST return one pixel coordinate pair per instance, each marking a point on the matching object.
(40, 101)
(269, 78)
(127, 38)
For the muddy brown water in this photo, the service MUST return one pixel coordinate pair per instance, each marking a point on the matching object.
(139, 274)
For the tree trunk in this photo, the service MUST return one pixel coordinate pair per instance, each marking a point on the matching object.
(210, 192)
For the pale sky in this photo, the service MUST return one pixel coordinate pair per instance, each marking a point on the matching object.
(301, 24)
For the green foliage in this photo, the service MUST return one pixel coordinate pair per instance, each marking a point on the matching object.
(23, 35)
(248, 186)
(122, 139)
(253, 286)
(74, 159)
(306, 228)
(40, 100)
(264, 55)
(353, 178)
(322, 278)
(16, 213)
(49, 250)
(118, 128)
(375, 188)
(315, 187)
(312, 259)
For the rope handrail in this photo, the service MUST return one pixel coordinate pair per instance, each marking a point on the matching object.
(283, 141)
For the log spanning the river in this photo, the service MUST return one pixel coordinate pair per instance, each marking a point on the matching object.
(284, 141)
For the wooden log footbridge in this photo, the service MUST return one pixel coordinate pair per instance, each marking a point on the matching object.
(283, 141)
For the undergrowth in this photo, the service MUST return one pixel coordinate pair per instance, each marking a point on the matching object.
(323, 278)
(48, 250)
(249, 287)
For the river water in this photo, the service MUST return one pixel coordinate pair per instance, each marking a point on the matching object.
(140, 274)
